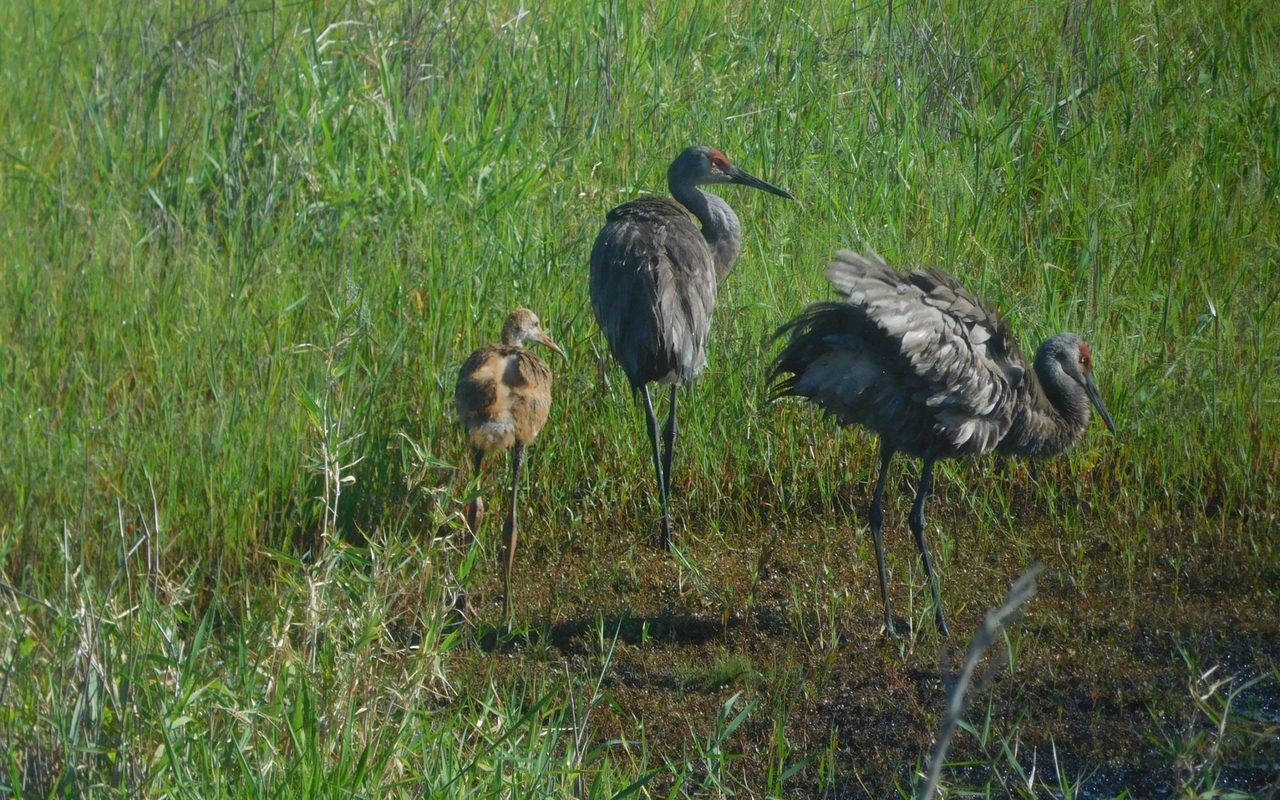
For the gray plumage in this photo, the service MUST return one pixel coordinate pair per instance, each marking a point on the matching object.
(936, 372)
(654, 275)
(653, 289)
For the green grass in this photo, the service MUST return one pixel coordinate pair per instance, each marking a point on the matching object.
(244, 250)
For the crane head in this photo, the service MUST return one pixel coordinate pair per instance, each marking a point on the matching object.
(524, 326)
(699, 164)
(1085, 361)
(1073, 356)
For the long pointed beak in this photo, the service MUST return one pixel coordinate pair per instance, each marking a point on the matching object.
(747, 179)
(546, 339)
(1096, 398)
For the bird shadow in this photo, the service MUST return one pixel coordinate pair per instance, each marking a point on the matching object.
(584, 634)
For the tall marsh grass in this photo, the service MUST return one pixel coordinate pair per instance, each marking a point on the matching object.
(245, 246)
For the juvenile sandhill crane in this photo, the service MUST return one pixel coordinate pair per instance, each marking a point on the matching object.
(653, 285)
(503, 396)
(936, 373)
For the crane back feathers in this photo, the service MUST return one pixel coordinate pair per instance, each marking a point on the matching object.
(653, 290)
(913, 356)
(503, 396)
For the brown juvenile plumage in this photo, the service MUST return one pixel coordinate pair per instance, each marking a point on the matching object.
(503, 397)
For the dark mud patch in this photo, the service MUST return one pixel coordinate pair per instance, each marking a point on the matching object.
(1097, 682)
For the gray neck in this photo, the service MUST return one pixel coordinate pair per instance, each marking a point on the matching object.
(1052, 413)
(720, 226)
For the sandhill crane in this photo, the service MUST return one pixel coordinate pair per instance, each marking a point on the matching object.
(653, 285)
(936, 373)
(503, 396)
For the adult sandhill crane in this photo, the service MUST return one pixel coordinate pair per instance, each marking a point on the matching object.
(653, 285)
(936, 373)
(503, 396)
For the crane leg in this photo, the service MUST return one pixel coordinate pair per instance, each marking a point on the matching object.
(875, 518)
(509, 530)
(917, 527)
(651, 420)
(668, 445)
(472, 509)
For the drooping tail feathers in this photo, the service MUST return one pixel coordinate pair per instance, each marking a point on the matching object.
(817, 330)
(826, 326)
